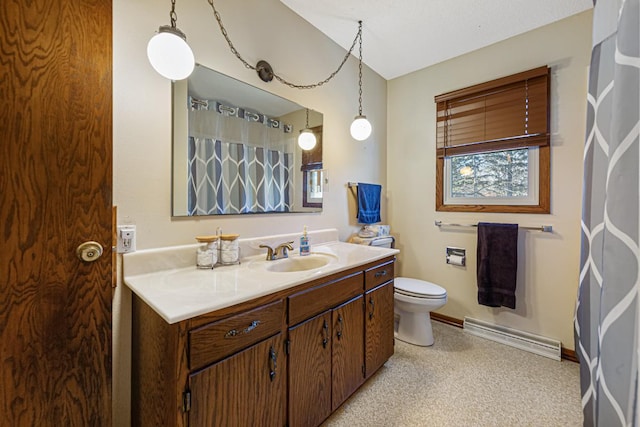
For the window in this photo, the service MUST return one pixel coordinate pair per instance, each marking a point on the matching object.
(492, 146)
(312, 173)
(492, 178)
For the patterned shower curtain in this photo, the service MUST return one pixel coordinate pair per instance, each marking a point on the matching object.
(607, 318)
(236, 166)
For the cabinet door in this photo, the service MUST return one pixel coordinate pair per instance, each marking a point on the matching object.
(310, 371)
(246, 389)
(348, 350)
(378, 327)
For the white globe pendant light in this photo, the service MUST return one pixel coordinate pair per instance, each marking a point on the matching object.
(307, 139)
(170, 55)
(360, 127)
(168, 51)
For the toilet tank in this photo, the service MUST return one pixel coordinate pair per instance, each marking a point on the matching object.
(383, 242)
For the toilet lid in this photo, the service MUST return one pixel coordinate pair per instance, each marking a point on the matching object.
(418, 288)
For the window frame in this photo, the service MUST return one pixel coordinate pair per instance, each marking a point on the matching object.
(447, 146)
(311, 162)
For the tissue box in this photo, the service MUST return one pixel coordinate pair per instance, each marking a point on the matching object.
(383, 230)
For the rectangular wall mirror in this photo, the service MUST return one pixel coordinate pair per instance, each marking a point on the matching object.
(235, 150)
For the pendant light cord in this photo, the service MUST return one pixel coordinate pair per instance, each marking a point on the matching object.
(360, 71)
(173, 16)
(225, 34)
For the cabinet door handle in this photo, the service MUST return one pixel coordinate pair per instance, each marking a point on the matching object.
(371, 303)
(340, 327)
(381, 273)
(234, 332)
(273, 357)
(325, 333)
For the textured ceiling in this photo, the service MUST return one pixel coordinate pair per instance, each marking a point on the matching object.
(401, 36)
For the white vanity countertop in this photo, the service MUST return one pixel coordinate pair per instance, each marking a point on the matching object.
(180, 292)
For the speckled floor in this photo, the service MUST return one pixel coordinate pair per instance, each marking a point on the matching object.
(463, 380)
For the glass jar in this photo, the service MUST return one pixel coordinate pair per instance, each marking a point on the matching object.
(229, 249)
(207, 253)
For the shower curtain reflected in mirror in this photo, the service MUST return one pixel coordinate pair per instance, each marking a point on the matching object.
(237, 165)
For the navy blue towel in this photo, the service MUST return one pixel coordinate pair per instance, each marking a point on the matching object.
(497, 257)
(369, 203)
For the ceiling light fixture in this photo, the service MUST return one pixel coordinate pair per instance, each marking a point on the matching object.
(168, 51)
(307, 139)
(360, 127)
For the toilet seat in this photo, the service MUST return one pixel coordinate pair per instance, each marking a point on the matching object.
(418, 288)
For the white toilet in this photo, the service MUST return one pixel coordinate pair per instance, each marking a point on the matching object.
(414, 301)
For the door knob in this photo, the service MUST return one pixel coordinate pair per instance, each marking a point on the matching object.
(89, 251)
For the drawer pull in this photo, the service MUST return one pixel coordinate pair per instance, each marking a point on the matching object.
(234, 332)
(381, 273)
(272, 359)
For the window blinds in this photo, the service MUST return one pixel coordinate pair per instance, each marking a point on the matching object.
(511, 112)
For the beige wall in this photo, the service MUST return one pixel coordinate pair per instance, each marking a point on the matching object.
(548, 264)
(260, 29)
(265, 29)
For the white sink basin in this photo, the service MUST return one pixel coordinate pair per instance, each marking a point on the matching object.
(295, 263)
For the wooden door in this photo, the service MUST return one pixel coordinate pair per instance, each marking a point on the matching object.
(246, 389)
(55, 193)
(348, 350)
(310, 371)
(378, 327)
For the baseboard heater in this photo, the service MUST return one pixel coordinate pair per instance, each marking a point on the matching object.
(523, 340)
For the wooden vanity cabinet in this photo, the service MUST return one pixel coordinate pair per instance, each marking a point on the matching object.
(326, 352)
(246, 389)
(378, 316)
(310, 371)
(347, 353)
(290, 358)
(219, 369)
(378, 327)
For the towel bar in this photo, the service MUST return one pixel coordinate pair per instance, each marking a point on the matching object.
(543, 228)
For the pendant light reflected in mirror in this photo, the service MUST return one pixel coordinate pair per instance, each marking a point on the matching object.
(307, 139)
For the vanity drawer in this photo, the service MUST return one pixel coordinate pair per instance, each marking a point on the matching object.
(220, 339)
(310, 302)
(378, 275)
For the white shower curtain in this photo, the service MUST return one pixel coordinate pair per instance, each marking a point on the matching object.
(607, 315)
(237, 166)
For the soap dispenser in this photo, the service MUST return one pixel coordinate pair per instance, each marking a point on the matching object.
(305, 249)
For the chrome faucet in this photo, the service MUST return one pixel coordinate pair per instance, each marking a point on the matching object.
(279, 252)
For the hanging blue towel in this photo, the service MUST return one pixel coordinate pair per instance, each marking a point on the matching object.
(369, 203)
